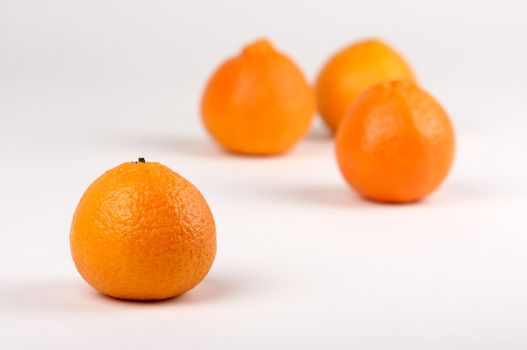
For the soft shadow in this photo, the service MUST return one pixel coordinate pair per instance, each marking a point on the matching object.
(178, 144)
(320, 195)
(320, 132)
(202, 145)
(467, 190)
(52, 297)
(205, 147)
(214, 288)
(461, 193)
(209, 290)
(73, 297)
(335, 196)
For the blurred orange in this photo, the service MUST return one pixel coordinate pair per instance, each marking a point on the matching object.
(396, 143)
(258, 103)
(353, 69)
(141, 231)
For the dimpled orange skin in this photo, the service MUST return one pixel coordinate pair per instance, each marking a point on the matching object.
(142, 232)
(352, 70)
(258, 103)
(396, 143)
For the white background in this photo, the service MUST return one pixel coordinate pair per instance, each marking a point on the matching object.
(302, 261)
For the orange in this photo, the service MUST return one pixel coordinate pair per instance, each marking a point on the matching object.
(396, 143)
(353, 69)
(141, 231)
(258, 103)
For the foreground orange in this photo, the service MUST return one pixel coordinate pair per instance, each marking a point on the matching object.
(352, 70)
(396, 143)
(143, 232)
(258, 103)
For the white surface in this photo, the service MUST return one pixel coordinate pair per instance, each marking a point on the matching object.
(302, 262)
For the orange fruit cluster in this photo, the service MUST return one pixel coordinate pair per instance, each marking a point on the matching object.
(141, 231)
(394, 142)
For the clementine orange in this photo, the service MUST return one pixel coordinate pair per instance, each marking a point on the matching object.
(396, 143)
(258, 103)
(353, 69)
(141, 231)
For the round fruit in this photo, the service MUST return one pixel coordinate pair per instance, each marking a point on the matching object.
(141, 231)
(258, 103)
(352, 70)
(396, 143)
